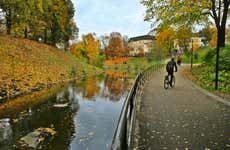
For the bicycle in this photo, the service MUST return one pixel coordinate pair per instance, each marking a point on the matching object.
(167, 81)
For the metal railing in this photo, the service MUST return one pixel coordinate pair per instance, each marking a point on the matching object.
(123, 136)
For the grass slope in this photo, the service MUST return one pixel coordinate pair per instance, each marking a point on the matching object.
(27, 65)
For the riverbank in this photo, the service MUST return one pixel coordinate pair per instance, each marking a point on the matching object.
(27, 66)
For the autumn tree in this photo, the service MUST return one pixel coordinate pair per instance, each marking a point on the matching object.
(183, 35)
(188, 12)
(116, 46)
(78, 50)
(87, 48)
(165, 39)
(91, 47)
(49, 20)
(206, 32)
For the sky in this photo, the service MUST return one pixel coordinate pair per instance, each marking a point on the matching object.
(105, 16)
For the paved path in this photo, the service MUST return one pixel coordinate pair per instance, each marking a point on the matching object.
(182, 118)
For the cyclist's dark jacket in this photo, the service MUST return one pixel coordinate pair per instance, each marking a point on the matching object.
(170, 67)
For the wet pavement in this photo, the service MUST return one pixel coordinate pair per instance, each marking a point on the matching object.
(180, 118)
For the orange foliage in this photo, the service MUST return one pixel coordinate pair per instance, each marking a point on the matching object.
(213, 41)
(116, 48)
(119, 60)
(116, 74)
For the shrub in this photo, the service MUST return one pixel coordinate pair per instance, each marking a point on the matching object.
(224, 58)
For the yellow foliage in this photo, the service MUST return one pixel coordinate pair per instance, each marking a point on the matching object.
(165, 38)
(88, 47)
(78, 49)
(92, 47)
(27, 66)
(213, 41)
(196, 44)
(91, 87)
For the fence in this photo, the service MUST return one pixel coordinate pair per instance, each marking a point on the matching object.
(123, 136)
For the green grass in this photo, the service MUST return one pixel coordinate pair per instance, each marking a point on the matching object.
(206, 78)
(205, 72)
(198, 56)
(134, 66)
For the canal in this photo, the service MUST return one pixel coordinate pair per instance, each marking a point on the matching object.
(83, 113)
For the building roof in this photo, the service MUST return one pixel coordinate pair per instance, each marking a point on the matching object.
(143, 37)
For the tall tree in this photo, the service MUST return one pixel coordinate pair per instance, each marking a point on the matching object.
(183, 35)
(116, 46)
(50, 20)
(91, 46)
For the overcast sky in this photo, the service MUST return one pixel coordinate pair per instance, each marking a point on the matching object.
(106, 16)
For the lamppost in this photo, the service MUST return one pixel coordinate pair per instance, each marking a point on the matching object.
(191, 53)
(207, 11)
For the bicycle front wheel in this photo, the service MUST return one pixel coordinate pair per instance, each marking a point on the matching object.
(166, 83)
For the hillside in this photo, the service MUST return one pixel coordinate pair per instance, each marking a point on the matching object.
(27, 66)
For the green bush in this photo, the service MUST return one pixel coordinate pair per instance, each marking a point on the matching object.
(224, 58)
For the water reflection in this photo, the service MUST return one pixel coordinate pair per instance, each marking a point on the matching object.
(87, 121)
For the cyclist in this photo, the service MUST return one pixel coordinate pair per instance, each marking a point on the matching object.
(170, 69)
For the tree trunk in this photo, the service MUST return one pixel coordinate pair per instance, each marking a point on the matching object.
(25, 32)
(8, 22)
(45, 35)
(53, 40)
(221, 36)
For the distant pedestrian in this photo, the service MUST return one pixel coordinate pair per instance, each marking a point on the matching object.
(179, 60)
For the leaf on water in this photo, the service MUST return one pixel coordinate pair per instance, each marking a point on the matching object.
(91, 133)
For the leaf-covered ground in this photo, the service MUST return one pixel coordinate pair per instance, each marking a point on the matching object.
(27, 66)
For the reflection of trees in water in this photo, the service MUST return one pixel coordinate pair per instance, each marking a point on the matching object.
(89, 87)
(45, 115)
(109, 86)
(116, 87)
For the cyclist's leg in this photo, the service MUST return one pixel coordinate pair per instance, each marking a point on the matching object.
(170, 79)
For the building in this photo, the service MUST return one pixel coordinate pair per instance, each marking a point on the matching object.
(141, 45)
(193, 42)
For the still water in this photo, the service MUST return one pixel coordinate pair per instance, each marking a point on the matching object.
(88, 122)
